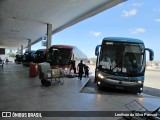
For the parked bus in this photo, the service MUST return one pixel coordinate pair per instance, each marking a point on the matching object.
(64, 56)
(121, 63)
(28, 57)
(40, 56)
(18, 58)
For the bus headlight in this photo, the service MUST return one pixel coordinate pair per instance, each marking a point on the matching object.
(99, 82)
(100, 76)
(139, 81)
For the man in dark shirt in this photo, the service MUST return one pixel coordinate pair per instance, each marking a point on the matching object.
(80, 68)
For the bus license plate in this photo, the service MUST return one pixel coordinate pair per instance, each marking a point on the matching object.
(119, 87)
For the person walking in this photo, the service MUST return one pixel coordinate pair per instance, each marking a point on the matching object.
(1, 62)
(7, 61)
(80, 69)
(86, 69)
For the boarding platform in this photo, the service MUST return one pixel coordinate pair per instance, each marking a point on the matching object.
(19, 92)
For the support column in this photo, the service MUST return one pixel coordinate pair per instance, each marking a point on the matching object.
(18, 51)
(29, 44)
(21, 49)
(49, 35)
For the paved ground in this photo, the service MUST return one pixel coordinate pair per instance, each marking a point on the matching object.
(19, 92)
(152, 79)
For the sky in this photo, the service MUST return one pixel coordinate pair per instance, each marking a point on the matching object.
(134, 19)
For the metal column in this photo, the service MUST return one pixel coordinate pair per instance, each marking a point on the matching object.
(29, 44)
(18, 51)
(21, 49)
(49, 35)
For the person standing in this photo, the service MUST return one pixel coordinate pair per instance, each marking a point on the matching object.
(7, 61)
(86, 69)
(73, 66)
(80, 69)
(1, 62)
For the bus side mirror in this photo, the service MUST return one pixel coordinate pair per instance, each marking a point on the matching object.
(151, 54)
(97, 50)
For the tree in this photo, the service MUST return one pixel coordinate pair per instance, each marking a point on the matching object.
(93, 59)
(12, 55)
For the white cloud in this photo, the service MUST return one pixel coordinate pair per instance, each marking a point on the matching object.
(137, 4)
(138, 30)
(128, 13)
(96, 34)
(156, 10)
(157, 20)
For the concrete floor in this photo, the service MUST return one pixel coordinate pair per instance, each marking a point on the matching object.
(19, 92)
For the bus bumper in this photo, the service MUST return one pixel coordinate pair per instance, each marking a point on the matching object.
(122, 85)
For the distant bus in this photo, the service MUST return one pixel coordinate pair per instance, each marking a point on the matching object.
(18, 58)
(28, 57)
(60, 56)
(64, 56)
(121, 63)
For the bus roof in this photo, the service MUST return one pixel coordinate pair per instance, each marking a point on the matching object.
(62, 46)
(30, 51)
(123, 39)
(78, 54)
(41, 50)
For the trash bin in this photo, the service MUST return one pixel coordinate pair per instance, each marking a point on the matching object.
(33, 70)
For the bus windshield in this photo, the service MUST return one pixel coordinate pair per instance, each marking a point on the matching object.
(121, 58)
(59, 56)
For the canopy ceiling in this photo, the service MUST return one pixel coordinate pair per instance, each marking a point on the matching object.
(21, 20)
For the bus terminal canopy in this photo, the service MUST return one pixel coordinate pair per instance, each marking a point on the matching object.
(23, 20)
